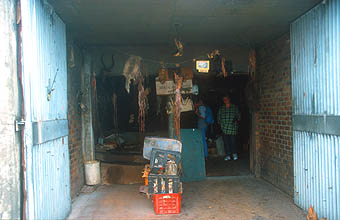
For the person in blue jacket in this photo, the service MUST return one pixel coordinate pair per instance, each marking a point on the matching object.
(200, 111)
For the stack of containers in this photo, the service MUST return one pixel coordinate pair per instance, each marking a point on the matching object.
(164, 177)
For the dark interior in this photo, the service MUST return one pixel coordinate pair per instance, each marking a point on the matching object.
(212, 89)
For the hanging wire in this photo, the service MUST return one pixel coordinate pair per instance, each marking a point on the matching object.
(172, 18)
(165, 63)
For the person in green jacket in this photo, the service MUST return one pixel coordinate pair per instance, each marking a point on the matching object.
(228, 118)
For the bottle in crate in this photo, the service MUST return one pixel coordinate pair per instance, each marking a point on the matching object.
(159, 183)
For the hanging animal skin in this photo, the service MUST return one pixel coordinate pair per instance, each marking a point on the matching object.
(142, 96)
(179, 46)
(252, 64)
(131, 69)
(223, 67)
(213, 54)
(177, 116)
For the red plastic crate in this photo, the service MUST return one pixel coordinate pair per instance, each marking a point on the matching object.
(167, 203)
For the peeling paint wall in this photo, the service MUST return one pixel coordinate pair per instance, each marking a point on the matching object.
(9, 111)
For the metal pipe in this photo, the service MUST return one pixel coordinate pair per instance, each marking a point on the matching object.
(23, 149)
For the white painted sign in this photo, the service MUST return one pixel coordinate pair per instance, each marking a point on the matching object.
(169, 87)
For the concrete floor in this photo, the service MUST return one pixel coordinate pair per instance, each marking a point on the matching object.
(242, 197)
(216, 166)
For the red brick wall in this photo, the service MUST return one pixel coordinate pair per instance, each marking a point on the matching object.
(74, 117)
(274, 118)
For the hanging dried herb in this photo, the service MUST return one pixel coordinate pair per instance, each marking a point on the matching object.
(142, 96)
(177, 116)
(223, 67)
(252, 64)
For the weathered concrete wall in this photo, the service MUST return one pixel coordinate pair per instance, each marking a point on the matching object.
(274, 118)
(9, 111)
(74, 65)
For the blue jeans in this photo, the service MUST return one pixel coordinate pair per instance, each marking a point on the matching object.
(229, 144)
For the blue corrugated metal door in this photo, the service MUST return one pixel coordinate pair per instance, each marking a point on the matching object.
(45, 99)
(193, 164)
(316, 109)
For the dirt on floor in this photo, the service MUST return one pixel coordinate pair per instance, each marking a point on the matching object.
(242, 197)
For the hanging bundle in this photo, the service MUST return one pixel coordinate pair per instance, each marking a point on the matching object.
(213, 54)
(177, 116)
(179, 46)
(142, 96)
(131, 69)
(252, 64)
(223, 67)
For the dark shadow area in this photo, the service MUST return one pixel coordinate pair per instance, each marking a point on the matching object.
(121, 143)
(232, 85)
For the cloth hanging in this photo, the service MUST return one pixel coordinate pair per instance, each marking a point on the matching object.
(131, 69)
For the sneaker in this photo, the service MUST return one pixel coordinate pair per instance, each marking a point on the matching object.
(235, 157)
(227, 158)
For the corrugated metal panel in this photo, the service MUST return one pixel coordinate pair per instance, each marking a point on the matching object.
(193, 164)
(317, 173)
(44, 70)
(51, 53)
(51, 178)
(315, 88)
(315, 60)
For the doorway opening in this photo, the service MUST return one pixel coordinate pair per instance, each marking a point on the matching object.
(234, 86)
(117, 128)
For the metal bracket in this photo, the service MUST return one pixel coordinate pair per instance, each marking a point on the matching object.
(321, 124)
(44, 131)
(19, 125)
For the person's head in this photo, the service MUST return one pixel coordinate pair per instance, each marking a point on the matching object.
(198, 103)
(200, 100)
(226, 99)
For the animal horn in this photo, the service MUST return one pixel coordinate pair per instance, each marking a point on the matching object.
(111, 66)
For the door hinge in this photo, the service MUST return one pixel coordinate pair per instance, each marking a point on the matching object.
(19, 125)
